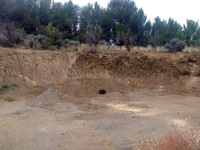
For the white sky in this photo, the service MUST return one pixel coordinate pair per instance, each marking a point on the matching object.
(180, 10)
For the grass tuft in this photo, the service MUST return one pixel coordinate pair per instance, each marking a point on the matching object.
(10, 98)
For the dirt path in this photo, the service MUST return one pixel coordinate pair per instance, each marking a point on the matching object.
(115, 121)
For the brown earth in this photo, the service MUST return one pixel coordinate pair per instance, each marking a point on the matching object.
(146, 93)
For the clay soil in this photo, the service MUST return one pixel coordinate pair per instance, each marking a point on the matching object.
(58, 106)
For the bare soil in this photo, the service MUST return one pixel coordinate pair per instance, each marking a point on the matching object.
(146, 94)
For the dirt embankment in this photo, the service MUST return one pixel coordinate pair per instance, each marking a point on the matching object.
(178, 72)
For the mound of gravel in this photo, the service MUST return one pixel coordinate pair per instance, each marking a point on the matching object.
(47, 99)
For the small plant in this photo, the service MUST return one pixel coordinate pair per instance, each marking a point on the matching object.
(38, 86)
(1, 88)
(1, 92)
(14, 84)
(53, 48)
(174, 140)
(5, 86)
(10, 98)
(37, 46)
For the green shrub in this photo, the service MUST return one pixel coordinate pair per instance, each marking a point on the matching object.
(10, 98)
(22, 32)
(65, 43)
(5, 86)
(50, 29)
(14, 84)
(1, 88)
(39, 37)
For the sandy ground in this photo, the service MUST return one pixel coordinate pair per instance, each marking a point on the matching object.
(114, 121)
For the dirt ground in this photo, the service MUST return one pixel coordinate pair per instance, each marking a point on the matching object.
(116, 120)
(58, 106)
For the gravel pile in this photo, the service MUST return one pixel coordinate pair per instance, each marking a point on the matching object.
(47, 99)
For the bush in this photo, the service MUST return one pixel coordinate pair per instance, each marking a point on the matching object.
(74, 43)
(3, 40)
(168, 46)
(22, 32)
(67, 43)
(175, 45)
(44, 44)
(104, 43)
(11, 32)
(174, 140)
(16, 38)
(37, 45)
(39, 37)
(53, 48)
(5, 86)
(30, 37)
(37, 42)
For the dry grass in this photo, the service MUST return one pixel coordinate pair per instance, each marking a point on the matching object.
(37, 89)
(10, 98)
(192, 50)
(121, 49)
(174, 140)
(117, 49)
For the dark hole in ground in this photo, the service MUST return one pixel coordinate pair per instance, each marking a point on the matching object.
(102, 91)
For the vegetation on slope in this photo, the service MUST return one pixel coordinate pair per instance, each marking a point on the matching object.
(45, 24)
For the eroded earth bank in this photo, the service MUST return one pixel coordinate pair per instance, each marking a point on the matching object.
(57, 105)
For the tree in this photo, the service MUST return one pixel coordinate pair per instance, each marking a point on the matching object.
(173, 28)
(44, 11)
(93, 36)
(65, 18)
(90, 19)
(191, 31)
(159, 32)
(125, 36)
(26, 13)
(120, 12)
(6, 9)
(107, 26)
(140, 27)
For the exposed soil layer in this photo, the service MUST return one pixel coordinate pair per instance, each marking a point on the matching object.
(177, 73)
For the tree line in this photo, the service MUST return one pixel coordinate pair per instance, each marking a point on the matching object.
(121, 23)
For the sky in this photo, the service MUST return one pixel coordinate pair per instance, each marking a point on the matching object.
(179, 10)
